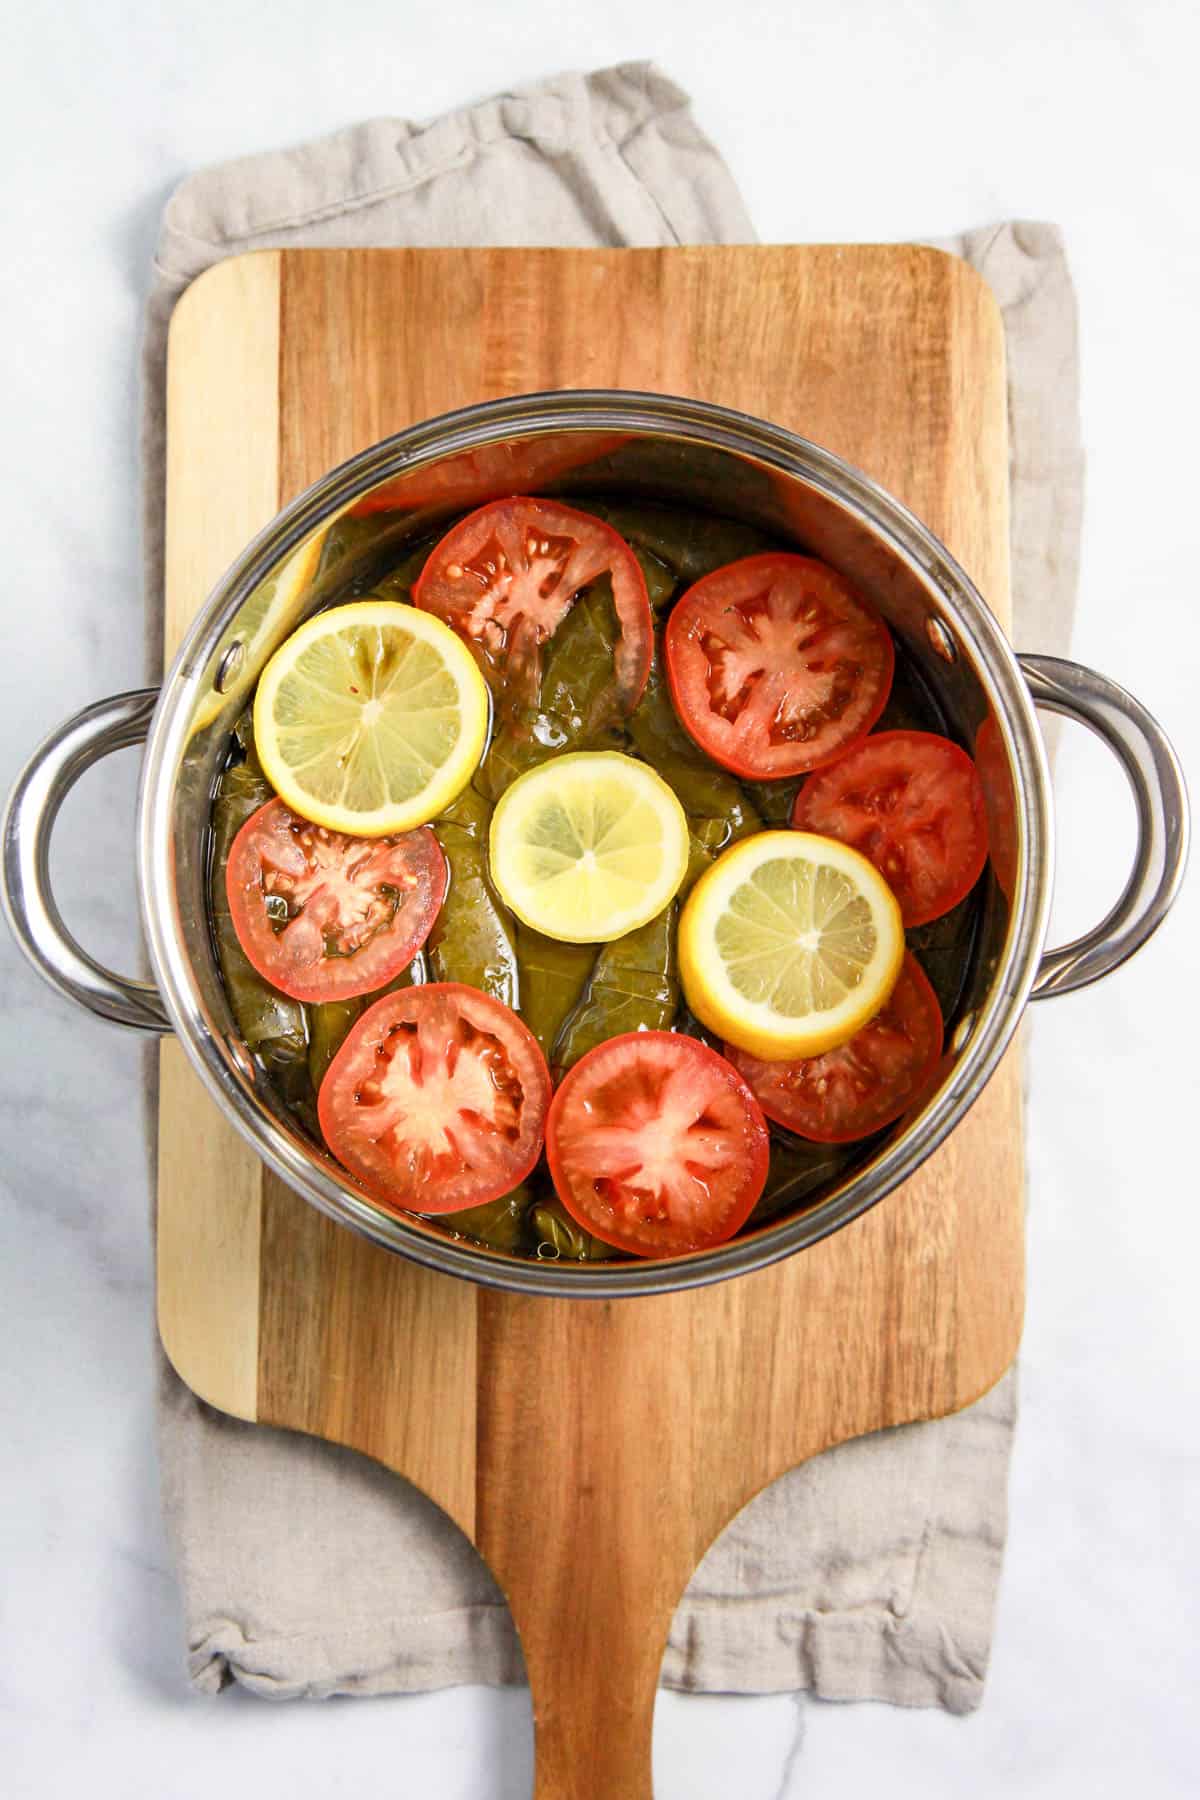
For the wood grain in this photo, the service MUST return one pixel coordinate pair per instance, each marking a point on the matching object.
(594, 1450)
(352, 1353)
(222, 488)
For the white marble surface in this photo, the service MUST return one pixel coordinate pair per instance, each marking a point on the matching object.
(871, 121)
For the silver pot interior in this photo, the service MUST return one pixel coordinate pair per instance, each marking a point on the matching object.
(696, 457)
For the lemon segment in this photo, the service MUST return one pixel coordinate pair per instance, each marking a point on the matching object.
(371, 718)
(279, 594)
(789, 944)
(588, 846)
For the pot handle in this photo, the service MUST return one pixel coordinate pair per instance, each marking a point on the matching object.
(36, 922)
(1144, 751)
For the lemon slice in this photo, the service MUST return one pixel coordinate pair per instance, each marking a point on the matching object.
(371, 718)
(789, 944)
(589, 846)
(281, 593)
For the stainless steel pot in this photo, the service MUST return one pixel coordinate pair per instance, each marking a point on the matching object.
(647, 446)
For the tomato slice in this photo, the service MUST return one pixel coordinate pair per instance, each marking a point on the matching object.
(505, 579)
(912, 803)
(513, 463)
(999, 804)
(776, 664)
(324, 916)
(437, 1099)
(656, 1144)
(864, 1084)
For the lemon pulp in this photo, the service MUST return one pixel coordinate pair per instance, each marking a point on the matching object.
(789, 944)
(371, 718)
(588, 846)
(279, 594)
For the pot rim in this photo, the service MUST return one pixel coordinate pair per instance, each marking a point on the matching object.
(634, 413)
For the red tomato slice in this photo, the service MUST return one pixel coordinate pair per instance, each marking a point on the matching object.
(999, 804)
(437, 1099)
(656, 1144)
(776, 664)
(505, 578)
(912, 803)
(497, 468)
(324, 916)
(866, 1083)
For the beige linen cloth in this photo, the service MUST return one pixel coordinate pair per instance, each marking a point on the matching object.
(871, 1573)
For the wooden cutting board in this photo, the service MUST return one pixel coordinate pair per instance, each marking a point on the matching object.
(664, 1416)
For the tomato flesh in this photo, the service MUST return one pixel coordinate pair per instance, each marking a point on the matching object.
(866, 1083)
(776, 664)
(459, 480)
(656, 1144)
(999, 804)
(912, 803)
(324, 916)
(437, 1099)
(506, 577)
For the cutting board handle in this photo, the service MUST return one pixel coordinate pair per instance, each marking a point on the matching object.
(593, 1737)
(596, 1543)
